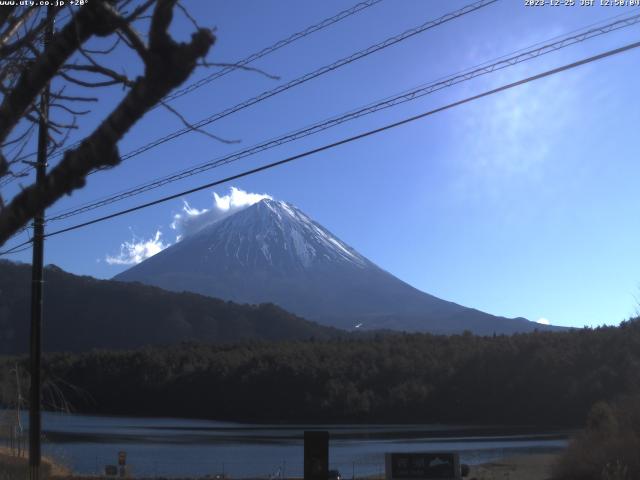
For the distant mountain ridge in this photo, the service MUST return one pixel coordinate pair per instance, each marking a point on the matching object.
(273, 252)
(84, 313)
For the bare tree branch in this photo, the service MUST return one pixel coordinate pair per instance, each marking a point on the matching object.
(239, 67)
(15, 25)
(189, 125)
(139, 11)
(31, 34)
(86, 84)
(5, 13)
(106, 51)
(17, 139)
(4, 165)
(68, 109)
(58, 144)
(188, 15)
(107, 72)
(16, 154)
(95, 18)
(169, 64)
(73, 99)
(133, 40)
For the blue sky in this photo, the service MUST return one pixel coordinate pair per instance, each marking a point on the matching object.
(519, 204)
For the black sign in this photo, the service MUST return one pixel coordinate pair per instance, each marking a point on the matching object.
(419, 466)
(316, 455)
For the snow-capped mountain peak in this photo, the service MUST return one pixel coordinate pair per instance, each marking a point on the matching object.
(276, 234)
(309, 240)
(271, 251)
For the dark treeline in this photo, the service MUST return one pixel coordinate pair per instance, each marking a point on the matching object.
(82, 313)
(540, 378)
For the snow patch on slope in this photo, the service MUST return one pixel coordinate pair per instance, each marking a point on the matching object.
(311, 242)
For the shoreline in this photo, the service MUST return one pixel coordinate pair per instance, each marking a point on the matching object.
(535, 466)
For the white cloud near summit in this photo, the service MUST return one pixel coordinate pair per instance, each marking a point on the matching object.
(188, 222)
(192, 220)
(137, 250)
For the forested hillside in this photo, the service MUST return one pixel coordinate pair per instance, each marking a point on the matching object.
(82, 313)
(537, 378)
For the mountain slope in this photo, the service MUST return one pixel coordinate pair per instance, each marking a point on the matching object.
(82, 313)
(272, 252)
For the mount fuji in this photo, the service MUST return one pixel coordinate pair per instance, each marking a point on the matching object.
(271, 252)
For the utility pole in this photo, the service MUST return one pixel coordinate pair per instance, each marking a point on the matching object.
(35, 347)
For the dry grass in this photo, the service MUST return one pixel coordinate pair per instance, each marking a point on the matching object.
(16, 468)
(608, 448)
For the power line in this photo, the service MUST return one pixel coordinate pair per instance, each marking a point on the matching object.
(342, 142)
(354, 138)
(309, 76)
(321, 71)
(505, 61)
(17, 249)
(315, 74)
(272, 48)
(327, 22)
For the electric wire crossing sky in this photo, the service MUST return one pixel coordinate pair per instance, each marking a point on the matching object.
(595, 35)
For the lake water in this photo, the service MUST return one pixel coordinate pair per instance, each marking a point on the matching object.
(174, 447)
